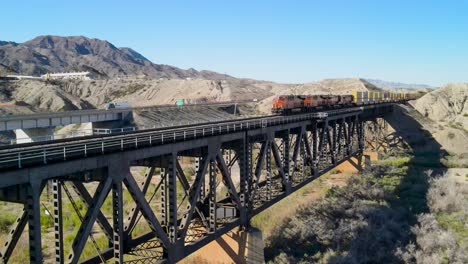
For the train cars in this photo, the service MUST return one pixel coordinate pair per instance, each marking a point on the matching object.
(305, 103)
(285, 104)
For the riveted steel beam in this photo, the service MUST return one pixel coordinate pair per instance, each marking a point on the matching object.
(146, 210)
(58, 220)
(13, 236)
(212, 197)
(101, 220)
(172, 196)
(89, 219)
(194, 196)
(227, 179)
(132, 219)
(33, 209)
(117, 216)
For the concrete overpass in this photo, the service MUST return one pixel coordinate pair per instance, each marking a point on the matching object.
(33, 127)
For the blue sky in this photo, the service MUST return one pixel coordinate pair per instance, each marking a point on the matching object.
(284, 41)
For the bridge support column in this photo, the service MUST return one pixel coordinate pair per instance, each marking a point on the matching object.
(245, 171)
(212, 197)
(164, 197)
(33, 208)
(302, 155)
(34, 134)
(286, 160)
(361, 135)
(315, 158)
(268, 170)
(202, 184)
(117, 217)
(58, 223)
(172, 195)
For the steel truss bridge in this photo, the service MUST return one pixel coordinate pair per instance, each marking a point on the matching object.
(200, 181)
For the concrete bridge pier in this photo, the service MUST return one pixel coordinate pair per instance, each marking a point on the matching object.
(34, 134)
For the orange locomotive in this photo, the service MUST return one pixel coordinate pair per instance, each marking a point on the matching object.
(306, 103)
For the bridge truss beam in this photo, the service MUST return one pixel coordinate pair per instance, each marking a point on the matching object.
(189, 195)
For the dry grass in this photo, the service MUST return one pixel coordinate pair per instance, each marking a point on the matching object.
(272, 217)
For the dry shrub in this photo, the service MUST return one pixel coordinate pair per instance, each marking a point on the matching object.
(433, 244)
(352, 224)
(442, 234)
(446, 195)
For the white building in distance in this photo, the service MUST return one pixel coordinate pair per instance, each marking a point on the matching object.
(66, 75)
(54, 76)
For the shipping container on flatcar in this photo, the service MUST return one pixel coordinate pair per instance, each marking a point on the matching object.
(361, 97)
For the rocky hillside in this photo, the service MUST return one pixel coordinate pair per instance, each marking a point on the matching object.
(446, 110)
(400, 86)
(448, 105)
(103, 60)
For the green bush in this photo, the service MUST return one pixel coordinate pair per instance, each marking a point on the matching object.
(390, 183)
(47, 221)
(454, 222)
(397, 162)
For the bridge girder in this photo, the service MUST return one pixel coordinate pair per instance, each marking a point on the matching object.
(189, 213)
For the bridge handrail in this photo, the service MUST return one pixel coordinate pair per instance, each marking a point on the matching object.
(133, 140)
(126, 141)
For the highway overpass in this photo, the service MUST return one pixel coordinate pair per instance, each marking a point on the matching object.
(41, 125)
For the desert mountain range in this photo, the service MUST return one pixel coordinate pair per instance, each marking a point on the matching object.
(45, 54)
(102, 59)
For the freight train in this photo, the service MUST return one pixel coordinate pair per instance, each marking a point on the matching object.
(285, 104)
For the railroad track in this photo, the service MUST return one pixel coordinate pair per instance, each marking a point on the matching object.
(40, 153)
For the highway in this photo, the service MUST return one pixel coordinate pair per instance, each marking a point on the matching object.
(47, 119)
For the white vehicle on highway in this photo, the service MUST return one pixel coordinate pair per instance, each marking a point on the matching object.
(118, 105)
